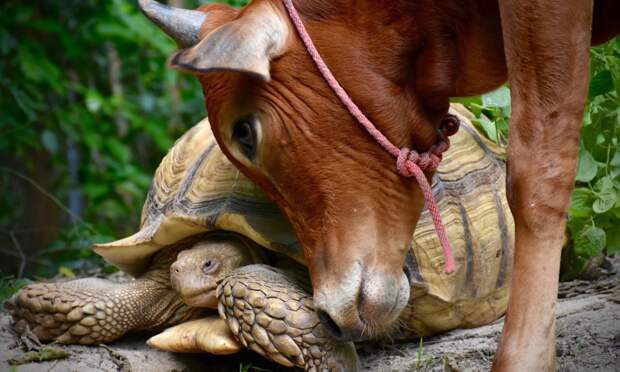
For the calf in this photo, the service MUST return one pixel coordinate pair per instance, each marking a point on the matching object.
(400, 61)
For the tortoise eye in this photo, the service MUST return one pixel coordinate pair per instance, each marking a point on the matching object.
(210, 266)
(244, 132)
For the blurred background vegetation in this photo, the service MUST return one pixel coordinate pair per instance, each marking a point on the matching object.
(88, 108)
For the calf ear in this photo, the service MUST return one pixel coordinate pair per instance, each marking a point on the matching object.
(245, 45)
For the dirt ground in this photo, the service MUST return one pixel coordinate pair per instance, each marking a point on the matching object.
(588, 333)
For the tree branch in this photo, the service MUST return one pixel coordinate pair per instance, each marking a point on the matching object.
(58, 203)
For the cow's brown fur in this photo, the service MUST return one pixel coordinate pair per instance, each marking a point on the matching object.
(401, 61)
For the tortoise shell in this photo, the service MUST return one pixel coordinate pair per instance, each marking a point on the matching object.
(470, 189)
(196, 189)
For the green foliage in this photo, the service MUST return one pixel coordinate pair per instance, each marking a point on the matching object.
(422, 361)
(9, 285)
(492, 112)
(594, 215)
(249, 367)
(594, 218)
(45, 354)
(88, 105)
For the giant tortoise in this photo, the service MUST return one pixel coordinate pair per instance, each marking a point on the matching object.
(198, 198)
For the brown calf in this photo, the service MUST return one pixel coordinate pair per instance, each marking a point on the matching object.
(400, 61)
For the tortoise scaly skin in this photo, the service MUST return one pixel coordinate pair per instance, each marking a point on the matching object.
(92, 310)
(273, 314)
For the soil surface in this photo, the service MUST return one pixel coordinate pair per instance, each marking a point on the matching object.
(588, 339)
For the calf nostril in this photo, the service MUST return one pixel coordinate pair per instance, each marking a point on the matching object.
(329, 324)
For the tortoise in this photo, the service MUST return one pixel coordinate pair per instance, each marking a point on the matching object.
(196, 190)
(93, 310)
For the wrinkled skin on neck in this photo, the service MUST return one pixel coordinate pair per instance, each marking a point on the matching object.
(353, 214)
(197, 271)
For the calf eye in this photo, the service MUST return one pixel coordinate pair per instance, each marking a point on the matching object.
(244, 132)
(210, 266)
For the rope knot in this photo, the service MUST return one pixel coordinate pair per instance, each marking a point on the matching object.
(406, 161)
(427, 161)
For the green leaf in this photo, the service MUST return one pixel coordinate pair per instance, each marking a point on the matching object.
(50, 141)
(587, 168)
(604, 203)
(613, 240)
(498, 98)
(604, 184)
(37, 68)
(581, 202)
(66, 272)
(94, 101)
(8, 286)
(118, 150)
(24, 103)
(467, 100)
(615, 161)
(601, 83)
(606, 195)
(590, 241)
(488, 126)
(587, 117)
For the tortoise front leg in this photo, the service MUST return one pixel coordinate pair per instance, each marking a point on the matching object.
(546, 44)
(91, 311)
(272, 314)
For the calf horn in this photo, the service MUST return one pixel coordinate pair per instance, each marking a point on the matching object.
(180, 24)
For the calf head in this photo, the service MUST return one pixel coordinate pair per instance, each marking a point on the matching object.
(280, 124)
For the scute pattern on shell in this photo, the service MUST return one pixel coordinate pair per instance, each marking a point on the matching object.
(196, 189)
(470, 187)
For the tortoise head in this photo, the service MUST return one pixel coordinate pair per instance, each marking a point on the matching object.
(198, 270)
(277, 120)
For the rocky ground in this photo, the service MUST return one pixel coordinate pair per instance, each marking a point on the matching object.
(588, 340)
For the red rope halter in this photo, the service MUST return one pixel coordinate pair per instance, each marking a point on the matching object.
(409, 163)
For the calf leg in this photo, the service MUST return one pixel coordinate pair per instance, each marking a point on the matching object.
(546, 45)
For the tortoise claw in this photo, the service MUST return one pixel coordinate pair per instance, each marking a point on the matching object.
(211, 335)
(272, 314)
